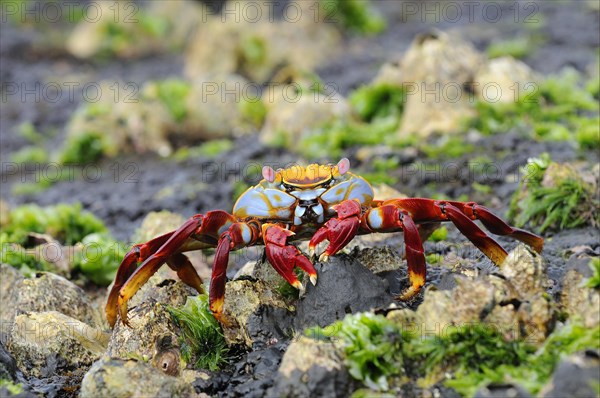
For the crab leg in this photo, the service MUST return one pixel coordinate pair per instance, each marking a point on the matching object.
(127, 268)
(181, 264)
(461, 214)
(497, 226)
(198, 232)
(153, 263)
(388, 218)
(238, 235)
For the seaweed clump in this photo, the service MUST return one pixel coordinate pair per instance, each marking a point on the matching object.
(202, 341)
(92, 251)
(381, 353)
(554, 196)
(372, 346)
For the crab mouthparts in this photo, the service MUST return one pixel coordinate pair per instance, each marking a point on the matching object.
(307, 211)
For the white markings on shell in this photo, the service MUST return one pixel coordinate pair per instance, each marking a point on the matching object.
(354, 188)
(260, 202)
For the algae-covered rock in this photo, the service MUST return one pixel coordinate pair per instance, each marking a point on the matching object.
(469, 301)
(214, 106)
(258, 46)
(131, 378)
(48, 343)
(312, 368)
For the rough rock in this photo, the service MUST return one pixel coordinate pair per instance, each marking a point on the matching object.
(312, 368)
(575, 376)
(517, 301)
(49, 343)
(49, 292)
(294, 115)
(131, 378)
(153, 329)
(504, 80)
(258, 47)
(344, 286)
(378, 259)
(157, 223)
(213, 106)
(8, 365)
(577, 300)
(435, 70)
(254, 313)
(526, 271)
(10, 282)
(469, 301)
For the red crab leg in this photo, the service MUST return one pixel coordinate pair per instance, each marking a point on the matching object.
(181, 264)
(338, 231)
(284, 257)
(127, 268)
(238, 235)
(196, 233)
(461, 214)
(390, 217)
(497, 226)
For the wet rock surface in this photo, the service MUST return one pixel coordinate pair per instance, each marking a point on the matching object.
(312, 368)
(575, 376)
(344, 286)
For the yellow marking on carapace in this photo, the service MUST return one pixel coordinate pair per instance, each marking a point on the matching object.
(311, 175)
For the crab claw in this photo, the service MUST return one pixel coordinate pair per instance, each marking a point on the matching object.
(284, 257)
(338, 231)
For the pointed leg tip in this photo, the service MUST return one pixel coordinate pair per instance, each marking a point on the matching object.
(313, 279)
(323, 258)
(297, 285)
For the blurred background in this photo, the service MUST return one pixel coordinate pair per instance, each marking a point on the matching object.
(120, 119)
(130, 107)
